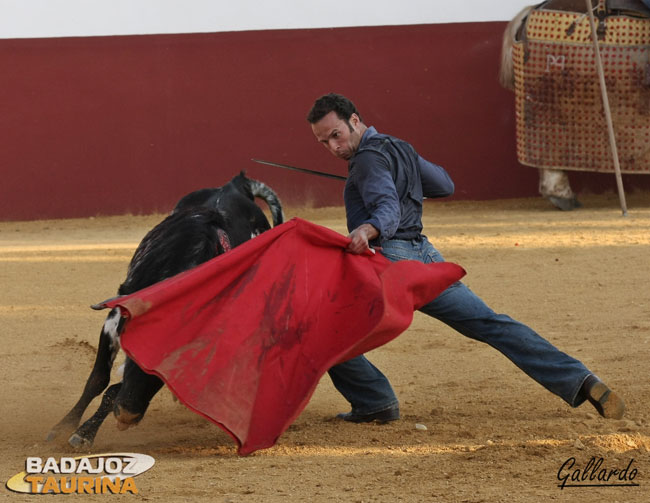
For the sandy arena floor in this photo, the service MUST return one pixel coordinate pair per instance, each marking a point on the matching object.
(581, 279)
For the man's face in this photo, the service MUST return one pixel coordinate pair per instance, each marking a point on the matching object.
(341, 138)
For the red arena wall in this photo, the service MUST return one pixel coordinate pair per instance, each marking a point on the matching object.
(110, 125)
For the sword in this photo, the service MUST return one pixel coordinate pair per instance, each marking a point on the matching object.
(302, 170)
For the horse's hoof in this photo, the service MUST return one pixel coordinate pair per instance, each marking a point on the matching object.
(77, 441)
(565, 203)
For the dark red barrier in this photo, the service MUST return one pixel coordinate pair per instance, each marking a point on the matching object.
(109, 125)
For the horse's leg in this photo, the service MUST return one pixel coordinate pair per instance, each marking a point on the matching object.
(85, 434)
(99, 376)
(554, 185)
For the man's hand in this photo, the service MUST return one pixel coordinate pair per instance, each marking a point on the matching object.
(360, 237)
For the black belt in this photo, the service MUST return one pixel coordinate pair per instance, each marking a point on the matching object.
(410, 236)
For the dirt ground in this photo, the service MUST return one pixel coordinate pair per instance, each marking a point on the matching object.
(581, 279)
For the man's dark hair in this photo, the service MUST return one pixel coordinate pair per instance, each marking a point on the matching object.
(332, 102)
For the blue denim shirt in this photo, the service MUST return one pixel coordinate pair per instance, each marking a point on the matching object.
(386, 183)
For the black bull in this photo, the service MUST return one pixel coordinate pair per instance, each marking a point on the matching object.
(204, 224)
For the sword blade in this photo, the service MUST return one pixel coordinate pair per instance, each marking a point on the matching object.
(301, 170)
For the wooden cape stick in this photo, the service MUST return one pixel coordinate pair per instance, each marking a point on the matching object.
(608, 113)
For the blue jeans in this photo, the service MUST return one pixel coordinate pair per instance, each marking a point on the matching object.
(368, 390)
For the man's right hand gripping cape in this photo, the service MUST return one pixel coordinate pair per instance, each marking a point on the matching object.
(244, 338)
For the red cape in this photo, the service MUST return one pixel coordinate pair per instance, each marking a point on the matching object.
(244, 338)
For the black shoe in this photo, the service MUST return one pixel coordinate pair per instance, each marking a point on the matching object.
(607, 402)
(382, 417)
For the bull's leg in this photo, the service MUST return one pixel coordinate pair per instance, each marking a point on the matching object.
(85, 434)
(138, 388)
(99, 376)
(554, 185)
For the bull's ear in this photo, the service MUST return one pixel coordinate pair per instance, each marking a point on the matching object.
(240, 179)
(239, 176)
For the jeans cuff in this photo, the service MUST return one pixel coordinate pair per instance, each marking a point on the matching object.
(374, 410)
(578, 397)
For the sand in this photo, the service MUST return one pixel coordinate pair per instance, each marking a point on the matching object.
(492, 434)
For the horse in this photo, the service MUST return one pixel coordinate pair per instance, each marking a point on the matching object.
(561, 77)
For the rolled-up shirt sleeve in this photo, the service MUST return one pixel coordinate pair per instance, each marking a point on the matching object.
(436, 182)
(377, 190)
